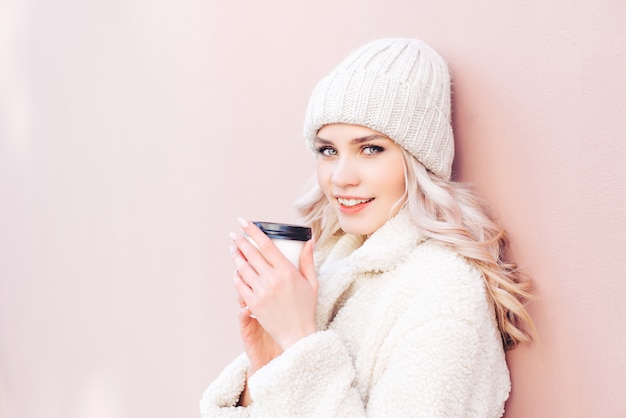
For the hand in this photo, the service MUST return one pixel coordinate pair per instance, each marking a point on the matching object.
(258, 344)
(282, 299)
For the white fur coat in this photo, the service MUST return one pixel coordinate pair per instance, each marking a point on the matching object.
(406, 330)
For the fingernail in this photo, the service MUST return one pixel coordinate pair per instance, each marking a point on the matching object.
(232, 235)
(233, 248)
(242, 222)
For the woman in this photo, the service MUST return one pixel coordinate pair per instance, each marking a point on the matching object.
(405, 305)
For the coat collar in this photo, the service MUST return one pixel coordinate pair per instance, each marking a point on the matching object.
(353, 255)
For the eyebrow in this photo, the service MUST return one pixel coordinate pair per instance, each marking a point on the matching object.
(354, 141)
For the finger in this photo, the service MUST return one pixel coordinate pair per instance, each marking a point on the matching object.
(244, 291)
(307, 266)
(265, 245)
(244, 316)
(250, 253)
(248, 274)
(236, 255)
(244, 311)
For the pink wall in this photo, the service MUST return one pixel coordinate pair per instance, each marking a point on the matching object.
(132, 133)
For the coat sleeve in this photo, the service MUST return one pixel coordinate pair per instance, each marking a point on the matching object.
(296, 383)
(221, 397)
(417, 377)
(314, 378)
(434, 369)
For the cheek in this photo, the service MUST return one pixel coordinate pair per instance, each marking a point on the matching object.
(400, 182)
(324, 173)
(391, 180)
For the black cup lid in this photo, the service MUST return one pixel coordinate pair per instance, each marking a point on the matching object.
(285, 231)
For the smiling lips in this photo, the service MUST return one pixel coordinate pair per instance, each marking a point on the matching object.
(351, 204)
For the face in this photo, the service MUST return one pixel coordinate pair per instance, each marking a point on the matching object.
(361, 173)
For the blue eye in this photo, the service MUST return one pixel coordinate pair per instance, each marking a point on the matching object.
(326, 151)
(372, 149)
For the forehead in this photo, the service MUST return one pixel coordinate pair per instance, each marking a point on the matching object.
(347, 132)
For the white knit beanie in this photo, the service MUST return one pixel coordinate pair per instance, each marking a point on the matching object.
(398, 87)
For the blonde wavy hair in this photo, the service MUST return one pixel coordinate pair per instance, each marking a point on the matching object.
(450, 213)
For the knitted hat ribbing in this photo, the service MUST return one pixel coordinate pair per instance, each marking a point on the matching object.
(398, 87)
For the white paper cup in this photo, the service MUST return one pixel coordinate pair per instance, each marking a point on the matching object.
(289, 239)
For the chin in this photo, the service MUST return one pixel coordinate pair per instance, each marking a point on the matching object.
(356, 227)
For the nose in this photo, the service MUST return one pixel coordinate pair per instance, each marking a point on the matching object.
(345, 173)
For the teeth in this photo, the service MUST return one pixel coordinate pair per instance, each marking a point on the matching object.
(351, 202)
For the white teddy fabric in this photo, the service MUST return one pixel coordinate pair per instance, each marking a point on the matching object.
(406, 330)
